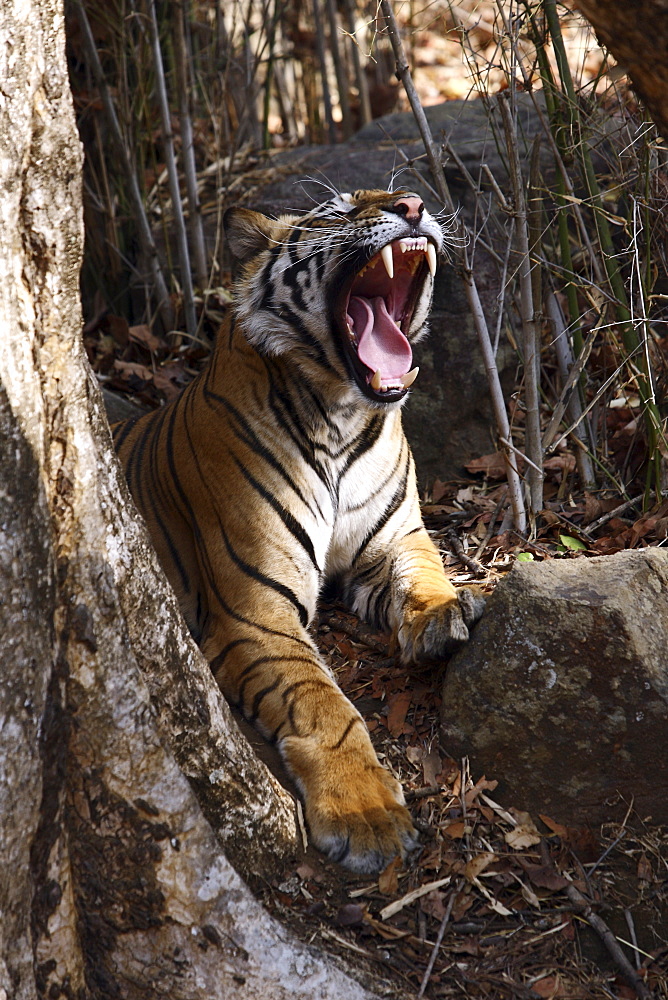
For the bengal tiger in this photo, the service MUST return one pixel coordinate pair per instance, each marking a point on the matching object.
(284, 467)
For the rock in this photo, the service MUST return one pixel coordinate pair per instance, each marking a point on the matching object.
(562, 692)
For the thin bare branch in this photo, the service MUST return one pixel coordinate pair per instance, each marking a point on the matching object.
(480, 322)
(143, 228)
(173, 177)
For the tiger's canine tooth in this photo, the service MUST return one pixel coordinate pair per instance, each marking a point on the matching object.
(386, 254)
(408, 379)
(376, 380)
(431, 258)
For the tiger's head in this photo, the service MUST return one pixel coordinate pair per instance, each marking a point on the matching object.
(344, 291)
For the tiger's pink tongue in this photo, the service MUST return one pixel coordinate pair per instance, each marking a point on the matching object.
(380, 343)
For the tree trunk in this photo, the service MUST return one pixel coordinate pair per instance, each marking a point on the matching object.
(636, 32)
(113, 880)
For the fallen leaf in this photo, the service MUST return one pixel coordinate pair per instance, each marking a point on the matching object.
(557, 829)
(529, 895)
(644, 870)
(548, 987)
(481, 785)
(478, 864)
(563, 464)
(397, 708)
(455, 830)
(524, 834)
(142, 335)
(493, 466)
(415, 754)
(388, 882)
(438, 490)
(127, 368)
(462, 903)
(433, 904)
(431, 768)
(572, 543)
(118, 327)
(544, 876)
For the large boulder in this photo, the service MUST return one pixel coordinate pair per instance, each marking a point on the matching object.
(562, 692)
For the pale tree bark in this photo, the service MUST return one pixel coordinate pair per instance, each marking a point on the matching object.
(636, 32)
(125, 787)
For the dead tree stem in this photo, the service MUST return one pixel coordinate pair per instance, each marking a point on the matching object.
(144, 233)
(172, 175)
(531, 350)
(480, 322)
(182, 63)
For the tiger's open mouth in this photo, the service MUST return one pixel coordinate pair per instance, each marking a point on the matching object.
(375, 312)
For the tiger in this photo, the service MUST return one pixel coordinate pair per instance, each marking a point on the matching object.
(283, 468)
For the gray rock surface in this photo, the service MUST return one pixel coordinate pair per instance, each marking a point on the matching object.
(562, 693)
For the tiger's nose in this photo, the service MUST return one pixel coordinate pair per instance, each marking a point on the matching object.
(411, 207)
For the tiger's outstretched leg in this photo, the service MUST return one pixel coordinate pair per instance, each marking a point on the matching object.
(403, 587)
(354, 807)
(431, 618)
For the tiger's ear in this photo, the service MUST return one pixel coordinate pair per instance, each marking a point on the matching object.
(248, 233)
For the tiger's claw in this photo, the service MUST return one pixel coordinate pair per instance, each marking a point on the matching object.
(364, 826)
(438, 631)
(356, 815)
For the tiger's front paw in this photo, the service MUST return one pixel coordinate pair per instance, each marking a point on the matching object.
(439, 630)
(358, 819)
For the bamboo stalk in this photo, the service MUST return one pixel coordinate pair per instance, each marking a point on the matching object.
(360, 78)
(531, 347)
(630, 337)
(269, 78)
(339, 69)
(144, 233)
(187, 147)
(570, 377)
(172, 175)
(320, 49)
(496, 393)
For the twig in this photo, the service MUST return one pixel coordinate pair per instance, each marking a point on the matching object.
(339, 69)
(423, 793)
(583, 907)
(182, 62)
(360, 78)
(453, 540)
(531, 350)
(144, 233)
(612, 513)
(410, 897)
(490, 527)
(470, 287)
(320, 49)
(437, 945)
(172, 173)
(359, 633)
(344, 942)
(520, 454)
(628, 916)
(570, 397)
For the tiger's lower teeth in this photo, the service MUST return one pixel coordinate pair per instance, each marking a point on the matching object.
(403, 382)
